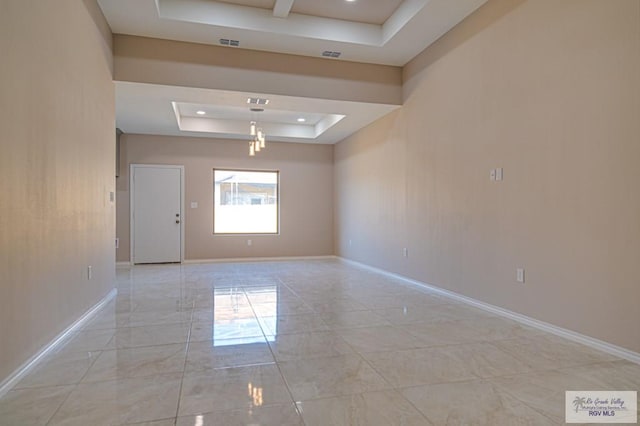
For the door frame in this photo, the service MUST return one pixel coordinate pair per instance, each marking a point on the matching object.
(132, 168)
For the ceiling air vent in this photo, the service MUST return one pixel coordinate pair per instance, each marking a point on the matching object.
(257, 101)
(331, 54)
(227, 42)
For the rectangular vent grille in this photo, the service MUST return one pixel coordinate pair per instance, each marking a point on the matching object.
(257, 101)
(331, 54)
(227, 42)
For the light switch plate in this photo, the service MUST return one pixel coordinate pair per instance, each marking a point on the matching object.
(520, 275)
(499, 173)
(194, 204)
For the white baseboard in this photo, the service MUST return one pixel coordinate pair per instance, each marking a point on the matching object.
(257, 259)
(532, 322)
(7, 384)
(125, 264)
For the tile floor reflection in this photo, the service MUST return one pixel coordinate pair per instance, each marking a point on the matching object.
(301, 343)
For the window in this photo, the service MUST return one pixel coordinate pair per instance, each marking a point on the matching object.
(245, 202)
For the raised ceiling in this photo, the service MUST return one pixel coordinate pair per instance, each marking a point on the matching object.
(388, 32)
(171, 110)
(373, 12)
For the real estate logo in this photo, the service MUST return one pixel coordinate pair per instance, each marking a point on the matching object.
(601, 406)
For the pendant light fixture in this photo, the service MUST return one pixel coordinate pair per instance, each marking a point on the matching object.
(258, 137)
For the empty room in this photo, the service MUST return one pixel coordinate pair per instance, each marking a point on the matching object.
(300, 212)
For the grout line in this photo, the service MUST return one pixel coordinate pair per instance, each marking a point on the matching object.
(61, 404)
(247, 279)
(184, 365)
(277, 363)
(75, 386)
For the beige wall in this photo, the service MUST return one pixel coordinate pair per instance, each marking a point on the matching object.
(56, 170)
(550, 91)
(176, 63)
(306, 194)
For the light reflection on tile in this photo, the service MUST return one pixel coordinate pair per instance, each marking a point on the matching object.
(246, 342)
(236, 330)
(232, 388)
(281, 308)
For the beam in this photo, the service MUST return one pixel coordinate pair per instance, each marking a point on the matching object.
(282, 8)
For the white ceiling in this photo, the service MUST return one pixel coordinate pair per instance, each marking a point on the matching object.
(158, 109)
(373, 12)
(389, 32)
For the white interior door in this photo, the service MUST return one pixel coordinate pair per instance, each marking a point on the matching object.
(156, 214)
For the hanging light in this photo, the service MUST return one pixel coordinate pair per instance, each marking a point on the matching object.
(258, 138)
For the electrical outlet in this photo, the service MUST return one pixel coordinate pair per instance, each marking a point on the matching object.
(89, 272)
(249, 242)
(492, 174)
(350, 242)
(520, 275)
(405, 252)
(499, 173)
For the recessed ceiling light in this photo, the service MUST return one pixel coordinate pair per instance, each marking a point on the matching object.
(350, 1)
(200, 112)
(301, 120)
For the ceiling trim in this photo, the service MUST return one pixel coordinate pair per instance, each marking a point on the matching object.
(238, 128)
(413, 26)
(262, 20)
(282, 8)
(147, 109)
(170, 51)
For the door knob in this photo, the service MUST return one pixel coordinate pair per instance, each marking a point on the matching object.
(177, 221)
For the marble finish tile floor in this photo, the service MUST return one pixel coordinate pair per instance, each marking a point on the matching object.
(314, 342)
